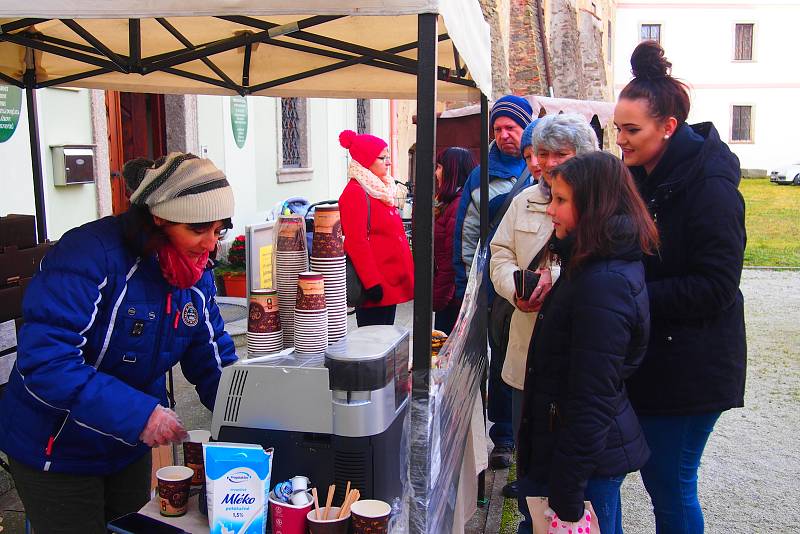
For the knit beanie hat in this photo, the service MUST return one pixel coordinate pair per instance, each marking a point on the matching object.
(527, 136)
(363, 148)
(180, 188)
(514, 107)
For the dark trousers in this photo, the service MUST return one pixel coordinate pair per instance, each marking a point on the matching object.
(60, 503)
(376, 315)
(498, 404)
(445, 320)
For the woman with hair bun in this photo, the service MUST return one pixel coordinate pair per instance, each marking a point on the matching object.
(694, 368)
(453, 166)
(374, 236)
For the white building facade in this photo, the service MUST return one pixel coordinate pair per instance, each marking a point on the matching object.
(741, 62)
(258, 171)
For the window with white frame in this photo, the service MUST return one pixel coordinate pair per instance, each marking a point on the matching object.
(650, 32)
(293, 146)
(743, 42)
(742, 124)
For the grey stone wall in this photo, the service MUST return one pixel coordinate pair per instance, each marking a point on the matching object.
(181, 119)
(565, 53)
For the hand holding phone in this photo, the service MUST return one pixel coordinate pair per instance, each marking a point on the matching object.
(136, 523)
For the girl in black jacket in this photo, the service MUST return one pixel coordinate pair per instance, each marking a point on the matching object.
(579, 436)
(695, 363)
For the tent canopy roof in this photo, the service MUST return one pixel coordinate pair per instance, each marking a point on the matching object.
(312, 48)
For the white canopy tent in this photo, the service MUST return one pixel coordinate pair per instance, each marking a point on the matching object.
(410, 49)
(315, 48)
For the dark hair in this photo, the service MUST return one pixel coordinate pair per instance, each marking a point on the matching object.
(456, 164)
(652, 81)
(609, 208)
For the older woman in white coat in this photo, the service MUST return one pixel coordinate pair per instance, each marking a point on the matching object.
(523, 232)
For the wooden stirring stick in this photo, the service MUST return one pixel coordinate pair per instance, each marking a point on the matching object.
(346, 493)
(316, 503)
(353, 497)
(328, 501)
(345, 504)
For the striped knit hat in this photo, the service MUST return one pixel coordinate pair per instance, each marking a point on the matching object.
(514, 107)
(180, 188)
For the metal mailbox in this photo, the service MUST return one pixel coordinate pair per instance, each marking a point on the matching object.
(73, 164)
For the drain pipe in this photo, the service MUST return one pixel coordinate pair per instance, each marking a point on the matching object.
(548, 75)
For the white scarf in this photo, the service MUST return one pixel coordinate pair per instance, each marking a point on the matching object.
(382, 188)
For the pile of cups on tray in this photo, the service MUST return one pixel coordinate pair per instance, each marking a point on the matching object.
(264, 333)
(293, 511)
(291, 259)
(327, 258)
(310, 314)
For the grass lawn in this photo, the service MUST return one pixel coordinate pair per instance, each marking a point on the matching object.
(772, 216)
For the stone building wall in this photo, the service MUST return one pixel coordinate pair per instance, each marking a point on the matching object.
(526, 65)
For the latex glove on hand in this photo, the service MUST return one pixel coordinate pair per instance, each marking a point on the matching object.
(162, 428)
(558, 526)
(375, 293)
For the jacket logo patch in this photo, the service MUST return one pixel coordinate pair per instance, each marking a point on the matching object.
(189, 315)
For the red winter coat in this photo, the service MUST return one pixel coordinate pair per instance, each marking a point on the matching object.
(444, 275)
(385, 257)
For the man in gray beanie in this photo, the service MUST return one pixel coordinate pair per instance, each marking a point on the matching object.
(508, 174)
(115, 305)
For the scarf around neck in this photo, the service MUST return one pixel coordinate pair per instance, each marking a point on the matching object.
(381, 188)
(178, 269)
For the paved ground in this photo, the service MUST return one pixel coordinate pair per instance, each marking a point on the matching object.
(748, 480)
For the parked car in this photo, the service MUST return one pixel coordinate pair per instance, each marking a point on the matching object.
(787, 175)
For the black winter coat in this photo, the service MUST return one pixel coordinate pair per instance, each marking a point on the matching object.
(697, 354)
(577, 422)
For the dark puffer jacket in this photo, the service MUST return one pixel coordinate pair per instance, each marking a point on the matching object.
(697, 355)
(591, 334)
(444, 275)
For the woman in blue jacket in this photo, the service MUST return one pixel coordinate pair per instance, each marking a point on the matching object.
(579, 435)
(116, 303)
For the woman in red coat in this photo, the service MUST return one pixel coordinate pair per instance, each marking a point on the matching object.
(453, 166)
(374, 237)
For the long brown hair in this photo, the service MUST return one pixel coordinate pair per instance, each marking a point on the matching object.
(605, 197)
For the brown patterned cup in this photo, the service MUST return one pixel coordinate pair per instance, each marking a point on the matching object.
(290, 233)
(310, 291)
(264, 314)
(174, 482)
(193, 454)
(327, 242)
(370, 516)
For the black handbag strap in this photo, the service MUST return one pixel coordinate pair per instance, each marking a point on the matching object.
(369, 210)
(538, 258)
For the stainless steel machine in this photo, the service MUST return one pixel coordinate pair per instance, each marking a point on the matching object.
(334, 417)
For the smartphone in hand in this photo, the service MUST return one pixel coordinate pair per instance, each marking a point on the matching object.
(136, 523)
(525, 282)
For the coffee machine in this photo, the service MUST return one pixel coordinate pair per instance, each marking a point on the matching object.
(334, 417)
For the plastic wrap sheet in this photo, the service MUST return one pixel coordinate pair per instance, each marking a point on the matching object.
(446, 414)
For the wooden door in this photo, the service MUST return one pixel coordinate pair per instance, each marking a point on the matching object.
(136, 129)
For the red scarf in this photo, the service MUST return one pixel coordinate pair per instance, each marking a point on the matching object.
(178, 269)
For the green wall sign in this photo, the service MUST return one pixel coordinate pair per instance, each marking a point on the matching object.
(239, 119)
(10, 107)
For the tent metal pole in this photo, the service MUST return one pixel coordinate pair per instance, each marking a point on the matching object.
(423, 267)
(483, 325)
(36, 154)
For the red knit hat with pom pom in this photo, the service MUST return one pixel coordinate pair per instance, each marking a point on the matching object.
(363, 148)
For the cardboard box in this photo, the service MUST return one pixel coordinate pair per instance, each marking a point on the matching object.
(18, 231)
(16, 264)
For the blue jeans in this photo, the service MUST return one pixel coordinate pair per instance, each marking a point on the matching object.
(603, 493)
(498, 403)
(670, 475)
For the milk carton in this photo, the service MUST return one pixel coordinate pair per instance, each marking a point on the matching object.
(237, 487)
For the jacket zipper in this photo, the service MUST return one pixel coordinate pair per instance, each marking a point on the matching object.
(161, 328)
(553, 415)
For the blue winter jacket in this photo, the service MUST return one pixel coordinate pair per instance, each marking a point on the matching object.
(503, 173)
(100, 333)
